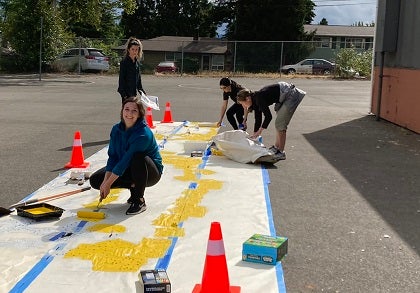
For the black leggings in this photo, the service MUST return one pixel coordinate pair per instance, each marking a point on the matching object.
(141, 173)
(238, 110)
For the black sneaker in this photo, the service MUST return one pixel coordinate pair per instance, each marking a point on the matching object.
(280, 155)
(136, 208)
(274, 150)
(130, 200)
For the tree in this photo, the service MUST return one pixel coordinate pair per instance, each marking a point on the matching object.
(94, 18)
(140, 23)
(323, 22)
(23, 33)
(170, 17)
(266, 20)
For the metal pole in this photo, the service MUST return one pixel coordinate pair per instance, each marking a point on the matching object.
(182, 58)
(234, 60)
(40, 50)
(281, 57)
(381, 77)
(80, 53)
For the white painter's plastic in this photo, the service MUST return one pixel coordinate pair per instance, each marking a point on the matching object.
(236, 145)
(150, 101)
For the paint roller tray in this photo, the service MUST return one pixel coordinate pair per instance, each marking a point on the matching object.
(39, 211)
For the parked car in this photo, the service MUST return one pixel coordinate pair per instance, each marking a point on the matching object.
(166, 66)
(90, 59)
(310, 66)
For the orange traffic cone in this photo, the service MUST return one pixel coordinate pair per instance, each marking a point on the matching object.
(149, 117)
(167, 118)
(77, 160)
(215, 274)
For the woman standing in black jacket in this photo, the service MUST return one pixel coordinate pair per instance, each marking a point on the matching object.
(129, 81)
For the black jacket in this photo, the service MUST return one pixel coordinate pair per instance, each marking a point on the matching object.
(129, 81)
(261, 100)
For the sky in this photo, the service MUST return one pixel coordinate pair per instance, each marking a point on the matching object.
(340, 12)
(345, 12)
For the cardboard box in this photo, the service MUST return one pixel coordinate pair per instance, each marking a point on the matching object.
(264, 249)
(155, 281)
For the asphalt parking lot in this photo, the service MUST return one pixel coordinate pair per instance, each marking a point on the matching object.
(347, 197)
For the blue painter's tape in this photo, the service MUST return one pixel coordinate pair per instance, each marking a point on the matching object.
(43, 263)
(163, 263)
(193, 185)
(32, 274)
(80, 226)
(279, 269)
(35, 271)
(58, 236)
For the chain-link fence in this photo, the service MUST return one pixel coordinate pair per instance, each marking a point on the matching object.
(197, 56)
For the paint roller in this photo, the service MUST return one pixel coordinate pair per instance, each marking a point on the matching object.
(90, 215)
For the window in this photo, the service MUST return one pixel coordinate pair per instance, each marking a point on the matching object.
(173, 56)
(217, 62)
(308, 62)
(354, 43)
(322, 42)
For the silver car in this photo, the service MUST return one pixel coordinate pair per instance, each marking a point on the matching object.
(310, 66)
(89, 59)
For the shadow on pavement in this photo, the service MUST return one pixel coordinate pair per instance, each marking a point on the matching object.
(382, 162)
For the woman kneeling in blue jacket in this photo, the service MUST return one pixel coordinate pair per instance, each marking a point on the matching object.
(134, 161)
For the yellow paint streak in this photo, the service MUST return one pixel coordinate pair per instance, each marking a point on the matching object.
(188, 205)
(170, 232)
(197, 136)
(159, 136)
(107, 228)
(187, 164)
(205, 171)
(118, 255)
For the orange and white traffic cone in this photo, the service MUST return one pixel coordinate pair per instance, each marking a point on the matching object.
(77, 159)
(167, 118)
(215, 274)
(149, 117)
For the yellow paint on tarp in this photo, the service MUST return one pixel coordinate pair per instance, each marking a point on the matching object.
(118, 255)
(197, 136)
(182, 162)
(159, 136)
(188, 205)
(205, 172)
(170, 232)
(188, 164)
(167, 220)
(112, 196)
(107, 228)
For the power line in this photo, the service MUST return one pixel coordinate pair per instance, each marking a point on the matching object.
(341, 4)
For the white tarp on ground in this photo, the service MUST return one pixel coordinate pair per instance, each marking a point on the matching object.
(80, 255)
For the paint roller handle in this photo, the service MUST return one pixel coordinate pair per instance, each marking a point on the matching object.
(49, 197)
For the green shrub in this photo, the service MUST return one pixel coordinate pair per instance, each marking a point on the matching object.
(191, 65)
(350, 63)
